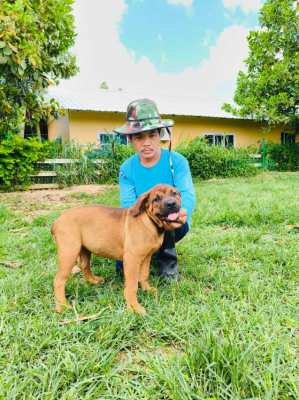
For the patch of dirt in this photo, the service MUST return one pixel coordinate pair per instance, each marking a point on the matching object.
(56, 194)
(139, 357)
(37, 202)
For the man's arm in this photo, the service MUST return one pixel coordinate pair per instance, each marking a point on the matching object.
(183, 182)
(127, 190)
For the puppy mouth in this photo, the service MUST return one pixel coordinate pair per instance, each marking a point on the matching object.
(171, 217)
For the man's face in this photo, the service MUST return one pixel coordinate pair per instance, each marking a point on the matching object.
(147, 144)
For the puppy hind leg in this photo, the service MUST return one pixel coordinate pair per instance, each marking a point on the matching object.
(67, 258)
(85, 267)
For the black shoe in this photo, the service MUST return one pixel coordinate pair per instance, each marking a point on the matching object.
(119, 268)
(167, 263)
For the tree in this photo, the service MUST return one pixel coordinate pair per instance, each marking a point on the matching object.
(35, 38)
(269, 90)
(104, 85)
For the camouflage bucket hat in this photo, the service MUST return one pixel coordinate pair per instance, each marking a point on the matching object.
(142, 115)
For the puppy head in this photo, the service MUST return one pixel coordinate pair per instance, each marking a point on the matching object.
(162, 204)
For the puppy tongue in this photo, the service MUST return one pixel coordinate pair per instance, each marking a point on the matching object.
(173, 216)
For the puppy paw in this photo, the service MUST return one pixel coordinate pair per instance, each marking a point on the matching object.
(153, 291)
(96, 280)
(138, 309)
(60, 307)
(76, 269)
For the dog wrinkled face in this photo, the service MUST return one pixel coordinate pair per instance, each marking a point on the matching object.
(162, 204)
(165, 203)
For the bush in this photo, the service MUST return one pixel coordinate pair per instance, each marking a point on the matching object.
(79, 172)
(208, 161)
(112, 156)
(71, 150)
(284, 157)
(18, 159)
(90, 166)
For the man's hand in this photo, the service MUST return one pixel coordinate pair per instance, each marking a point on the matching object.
(181, 220)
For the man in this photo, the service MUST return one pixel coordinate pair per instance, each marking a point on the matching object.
(150, 166)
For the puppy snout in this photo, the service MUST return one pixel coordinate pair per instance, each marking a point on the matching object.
(171, 205)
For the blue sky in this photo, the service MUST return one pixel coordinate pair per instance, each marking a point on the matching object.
(192, 49)
(176, 37)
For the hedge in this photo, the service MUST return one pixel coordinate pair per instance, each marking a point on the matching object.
(208, 161)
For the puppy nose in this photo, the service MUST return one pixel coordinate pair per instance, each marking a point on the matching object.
(171, 204)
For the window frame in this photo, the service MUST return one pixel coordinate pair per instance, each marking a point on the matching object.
(290, 135)
(223, 141)
(111, 136)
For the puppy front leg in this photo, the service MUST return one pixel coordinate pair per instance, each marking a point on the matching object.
(131, 272)
(144, 276)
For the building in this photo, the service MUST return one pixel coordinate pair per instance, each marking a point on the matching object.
(89, 117)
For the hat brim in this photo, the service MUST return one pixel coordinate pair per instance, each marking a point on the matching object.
(135, 127)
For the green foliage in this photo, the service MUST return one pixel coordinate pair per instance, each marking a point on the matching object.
(18, 158)
(216, 161)
(90, 165)
(284, 157)
(104, 85)
(71, 150)
(269, 89)
(79, 172)
(34, 53)
(112, 156)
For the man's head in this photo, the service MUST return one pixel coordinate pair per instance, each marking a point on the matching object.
(146, 144)
(143, 127)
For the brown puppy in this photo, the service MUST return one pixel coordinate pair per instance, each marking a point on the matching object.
(129, 234)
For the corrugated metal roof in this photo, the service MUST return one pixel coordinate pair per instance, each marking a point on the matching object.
(117, 101)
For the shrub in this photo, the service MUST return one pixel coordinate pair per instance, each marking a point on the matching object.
(57, 149)
(284, 157)
(208, 161)
(90, 166)
(18, 159)
(112, 156)
(79, 172)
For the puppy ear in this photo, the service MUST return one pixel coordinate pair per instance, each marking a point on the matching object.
(140, 205)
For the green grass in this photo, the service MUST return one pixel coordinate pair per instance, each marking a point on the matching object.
(227, 330)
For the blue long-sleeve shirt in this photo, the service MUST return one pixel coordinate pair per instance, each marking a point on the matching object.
(135, 179)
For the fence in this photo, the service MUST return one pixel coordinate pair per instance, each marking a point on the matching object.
(45, 178)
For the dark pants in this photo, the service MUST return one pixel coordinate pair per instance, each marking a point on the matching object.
(165, 257)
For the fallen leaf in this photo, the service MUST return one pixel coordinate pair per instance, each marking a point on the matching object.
(11, 264)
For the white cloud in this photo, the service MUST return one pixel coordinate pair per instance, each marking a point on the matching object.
(185, 3)
(245, 5)
(102, 57)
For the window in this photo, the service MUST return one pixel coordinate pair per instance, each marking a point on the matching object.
(220, 140)
(105, 138)
(288, 138)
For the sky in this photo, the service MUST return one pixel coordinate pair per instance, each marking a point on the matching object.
(174, 47)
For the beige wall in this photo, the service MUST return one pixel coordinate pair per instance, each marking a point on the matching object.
(84, 125)
(247, 133)
(59, 128)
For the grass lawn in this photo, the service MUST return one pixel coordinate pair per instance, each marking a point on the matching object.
(227, 330)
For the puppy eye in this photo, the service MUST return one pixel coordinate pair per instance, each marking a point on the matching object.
(157, 198)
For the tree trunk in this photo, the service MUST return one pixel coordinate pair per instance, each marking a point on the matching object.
(21, 128)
